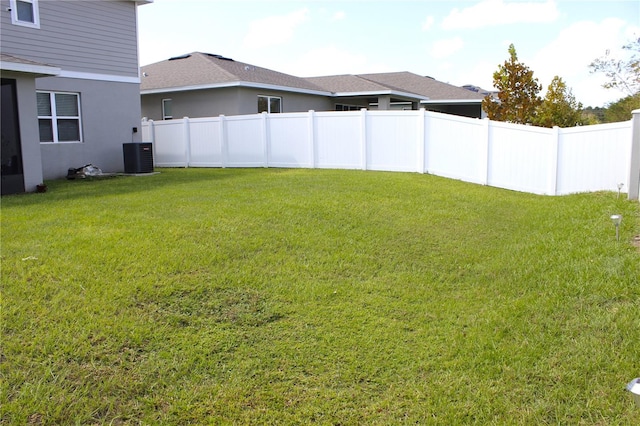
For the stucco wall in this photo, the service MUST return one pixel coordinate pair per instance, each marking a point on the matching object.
(291, 102)
(109, 112)
(227, 101)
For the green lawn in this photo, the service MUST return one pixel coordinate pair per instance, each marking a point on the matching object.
(263, 296)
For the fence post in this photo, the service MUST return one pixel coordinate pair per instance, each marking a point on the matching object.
(224, 149)
(363, 138)
(421, 142)
(151, 133)
(311, 129)
(266, 138)
(486, 139)
(634, 167)
(186, 134)
(552, 181)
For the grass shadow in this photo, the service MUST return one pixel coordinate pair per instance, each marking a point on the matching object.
(91, 187)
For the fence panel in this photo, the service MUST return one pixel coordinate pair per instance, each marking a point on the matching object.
(392, 140)
(455, 147)
(594, 158)
(205, 142)
(245, 146)
(147, 131)
(338, 140)
(289, 141)
(172, 150)
(521, 157)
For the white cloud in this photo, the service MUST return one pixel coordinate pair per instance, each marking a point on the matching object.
(498, 12)
(428, 23)
(444, 48)
(570, 54)
(338, 16)
(331, 60)
(479, 73)
(274, 30)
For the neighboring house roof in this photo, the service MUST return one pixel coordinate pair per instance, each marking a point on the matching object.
(358, 85)
(346, 83)
(14, 63)
(198, 70)
(426, 86)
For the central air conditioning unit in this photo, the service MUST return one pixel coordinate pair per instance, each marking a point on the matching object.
(138, 157)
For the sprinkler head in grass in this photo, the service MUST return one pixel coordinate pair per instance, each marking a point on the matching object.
(634, 388)
(617, 219)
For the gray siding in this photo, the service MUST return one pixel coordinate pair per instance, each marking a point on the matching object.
(83, 36)
(227, 101)
(109, 111)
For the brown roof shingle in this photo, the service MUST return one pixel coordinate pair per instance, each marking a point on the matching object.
(201, 69)
(426, 86)
(197, 70)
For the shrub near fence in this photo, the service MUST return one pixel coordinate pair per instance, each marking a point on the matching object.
(523, 158)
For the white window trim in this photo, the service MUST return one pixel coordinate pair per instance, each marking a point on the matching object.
(54, 116)
(13, 5)
(164, 116)
(269, 102)
(349, 107)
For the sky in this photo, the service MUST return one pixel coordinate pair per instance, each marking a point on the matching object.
(457, 42)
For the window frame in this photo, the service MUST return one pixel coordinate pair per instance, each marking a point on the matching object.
(164, 116)
(54, 117)
(13, 5)
(269, 98)
(348, 107)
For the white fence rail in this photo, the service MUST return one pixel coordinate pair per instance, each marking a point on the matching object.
(523, 158)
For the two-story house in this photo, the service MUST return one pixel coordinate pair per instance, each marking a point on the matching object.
(70, 87)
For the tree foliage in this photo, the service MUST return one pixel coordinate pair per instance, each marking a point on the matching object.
(559, 107)
(591, 115)
(518, 91)
(621, 109)
(623, 74)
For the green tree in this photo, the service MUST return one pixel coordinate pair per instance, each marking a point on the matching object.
(559, 107)
(621, 109)
(518, 91)
(623, 74)
(591, 115)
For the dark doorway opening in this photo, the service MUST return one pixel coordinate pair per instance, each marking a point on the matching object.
(11, 155)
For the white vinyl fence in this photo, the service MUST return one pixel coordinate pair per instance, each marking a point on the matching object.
(523, 158)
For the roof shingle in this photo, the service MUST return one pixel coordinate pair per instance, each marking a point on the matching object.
(198, 69)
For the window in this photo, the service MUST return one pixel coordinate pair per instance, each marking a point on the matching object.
(59, 117)
(166, 109)
(342, 107)
(25, 13)
(269, 104)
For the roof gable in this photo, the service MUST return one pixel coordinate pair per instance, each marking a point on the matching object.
(199, 70)
(425, 86)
